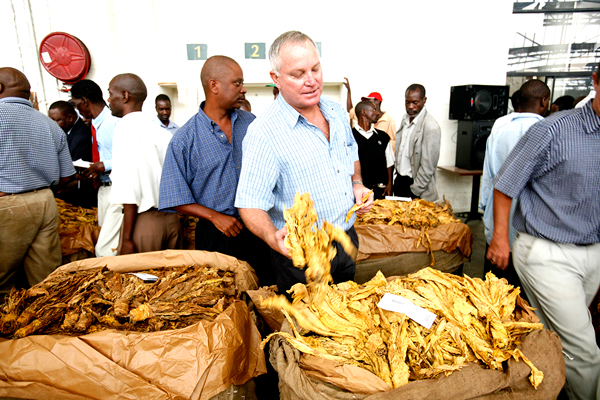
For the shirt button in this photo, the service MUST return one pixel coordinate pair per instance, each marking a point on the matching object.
(338, 171)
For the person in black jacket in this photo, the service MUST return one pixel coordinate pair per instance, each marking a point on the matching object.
(374, 151)
(79, 135)
(79, 138)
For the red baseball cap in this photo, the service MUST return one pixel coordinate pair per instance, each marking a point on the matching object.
(373, 95)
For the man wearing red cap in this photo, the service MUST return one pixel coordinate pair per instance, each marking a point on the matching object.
(385, 122)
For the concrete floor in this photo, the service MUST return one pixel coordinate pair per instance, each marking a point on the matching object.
(474, 268)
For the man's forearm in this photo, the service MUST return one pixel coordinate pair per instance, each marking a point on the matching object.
(130, 212)
(197, 210)
(357, 176)
(259, 223)
(502, 205)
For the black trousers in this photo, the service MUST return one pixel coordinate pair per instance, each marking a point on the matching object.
(343, 267)
(245, 246)
(401, 186)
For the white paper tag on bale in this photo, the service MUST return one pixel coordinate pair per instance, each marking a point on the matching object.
(395, 303)
(398, 198)
(145, 277)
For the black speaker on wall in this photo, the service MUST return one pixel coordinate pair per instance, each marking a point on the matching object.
(478, 102)
(470, 143)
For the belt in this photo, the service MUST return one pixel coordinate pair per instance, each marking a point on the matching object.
(103, 183)
(2, 194)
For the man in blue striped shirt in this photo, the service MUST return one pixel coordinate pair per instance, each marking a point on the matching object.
(302, 143)
(554, 175)
(34, 155)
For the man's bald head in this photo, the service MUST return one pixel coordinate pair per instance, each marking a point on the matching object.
(127, 93)
(217, 68)
(131, 83)
(14, 83)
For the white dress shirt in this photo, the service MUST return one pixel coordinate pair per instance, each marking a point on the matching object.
(139, 148)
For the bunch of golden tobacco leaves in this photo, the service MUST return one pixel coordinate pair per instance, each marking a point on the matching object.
(70, 216)
(477, 320)
(84, 302)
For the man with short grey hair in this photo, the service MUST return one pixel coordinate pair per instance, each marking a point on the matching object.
(302, 143)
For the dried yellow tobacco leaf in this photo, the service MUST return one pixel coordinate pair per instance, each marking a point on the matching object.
(476, 320)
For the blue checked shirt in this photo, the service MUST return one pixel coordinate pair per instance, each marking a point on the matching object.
(33, 149)
(285, 154)
(501, 141)
(554, 173)
(201, 166)
(105, 124)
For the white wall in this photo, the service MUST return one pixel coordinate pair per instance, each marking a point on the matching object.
(381, 46)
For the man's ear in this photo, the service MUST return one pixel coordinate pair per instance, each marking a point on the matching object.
(1, 88)
(275, 78)
(125, 96)
(213, 86)
(545, 102)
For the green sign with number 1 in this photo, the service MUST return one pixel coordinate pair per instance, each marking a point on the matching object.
(196, 51)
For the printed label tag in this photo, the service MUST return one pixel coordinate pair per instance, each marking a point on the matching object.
(395, 303)
(145, 277)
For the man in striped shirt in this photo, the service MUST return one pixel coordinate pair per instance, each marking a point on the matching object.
(302, 143)
(554, 175)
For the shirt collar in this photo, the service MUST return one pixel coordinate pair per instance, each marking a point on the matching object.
(16, 100)
(590, 118)
(76, 121)
(361, 130)
(101, 117)
(417, 118)
(292, 116)
(205, 119)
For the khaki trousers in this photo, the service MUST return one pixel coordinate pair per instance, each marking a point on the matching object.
(154, 231)
(561, 281)
(28, 237)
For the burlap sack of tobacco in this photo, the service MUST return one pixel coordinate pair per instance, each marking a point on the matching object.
(304, 377)
(199, 361)
(397, 250)
(77, 239)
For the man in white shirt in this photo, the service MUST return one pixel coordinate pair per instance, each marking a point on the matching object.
(417, 148)
(139, 149)
(163, 110)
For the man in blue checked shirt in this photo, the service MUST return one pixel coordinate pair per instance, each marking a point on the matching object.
(203, 163)
(553, 173)
(34, 155)
(302, 143)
